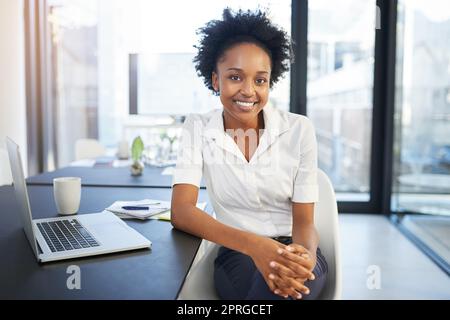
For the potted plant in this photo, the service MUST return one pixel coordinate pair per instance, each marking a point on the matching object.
(137, 167)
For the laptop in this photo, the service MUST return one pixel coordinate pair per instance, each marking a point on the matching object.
(69, 237)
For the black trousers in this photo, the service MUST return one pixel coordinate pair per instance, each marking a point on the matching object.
(237, 278)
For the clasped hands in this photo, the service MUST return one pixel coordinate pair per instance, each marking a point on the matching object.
(285, 268)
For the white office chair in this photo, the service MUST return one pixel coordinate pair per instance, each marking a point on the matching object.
(199, 284)
(5, 171)
(88, 149)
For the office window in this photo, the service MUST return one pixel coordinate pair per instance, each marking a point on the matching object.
(92, 41)
(421, 175)
(421, 171)
(341, 40)
(187, 92)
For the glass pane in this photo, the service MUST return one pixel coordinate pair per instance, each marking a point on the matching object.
(173, 73)
(168, 66)
(75, 63)
(422, 142)
(92, 41)
(341, 36)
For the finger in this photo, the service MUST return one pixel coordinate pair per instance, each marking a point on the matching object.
(282, 270)
(290, 269)
(300, 270)
(288, 287)
(296, 248)
(271, 285)
(277, 290)
(299, 251)
(301, 280)
(296, 283)
(291, 291)
(279, 282)
(295, 289)
(298, 286)
(303, 259)
(281, 293)
(294, 293)
(287, 272)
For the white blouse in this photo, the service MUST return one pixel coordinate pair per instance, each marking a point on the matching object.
(253, 195)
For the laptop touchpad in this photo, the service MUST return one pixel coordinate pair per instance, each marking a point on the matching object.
(110, 229)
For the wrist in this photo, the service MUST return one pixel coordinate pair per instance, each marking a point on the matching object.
(251, 242)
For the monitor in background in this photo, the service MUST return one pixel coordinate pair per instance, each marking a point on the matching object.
(167, 84)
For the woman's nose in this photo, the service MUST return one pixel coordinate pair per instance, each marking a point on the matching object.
(248, 89)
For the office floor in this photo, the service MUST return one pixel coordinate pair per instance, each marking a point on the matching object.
(370, 243)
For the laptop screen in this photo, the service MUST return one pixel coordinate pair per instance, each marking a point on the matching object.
(20, 189)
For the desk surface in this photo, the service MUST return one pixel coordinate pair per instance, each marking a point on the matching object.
(107, 177)
(143, 274)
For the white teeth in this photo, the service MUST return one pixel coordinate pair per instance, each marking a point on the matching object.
(245, 104)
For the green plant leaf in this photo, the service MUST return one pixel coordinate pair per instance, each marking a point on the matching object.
(137, 148)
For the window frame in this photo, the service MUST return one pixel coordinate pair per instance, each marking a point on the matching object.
(382, 100)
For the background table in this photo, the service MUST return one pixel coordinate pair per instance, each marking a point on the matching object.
(108, 177)
(158, 273)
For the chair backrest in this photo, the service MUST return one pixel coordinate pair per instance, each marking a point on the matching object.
(88, 149)
(327, 225)
(5, 170)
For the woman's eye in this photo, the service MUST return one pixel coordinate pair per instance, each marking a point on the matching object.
(261, 81)
(234, 78)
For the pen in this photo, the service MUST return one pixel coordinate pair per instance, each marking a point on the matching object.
(134, 208)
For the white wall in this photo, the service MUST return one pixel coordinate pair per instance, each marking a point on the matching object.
(12, 76)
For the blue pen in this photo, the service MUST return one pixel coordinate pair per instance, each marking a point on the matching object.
(134, 208)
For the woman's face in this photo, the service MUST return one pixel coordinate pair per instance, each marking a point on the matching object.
(243, 76)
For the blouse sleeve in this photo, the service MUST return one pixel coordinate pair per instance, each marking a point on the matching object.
(305, 184)
(189, 165)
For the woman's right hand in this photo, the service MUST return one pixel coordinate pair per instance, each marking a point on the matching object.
(264, 252)
(284, 277)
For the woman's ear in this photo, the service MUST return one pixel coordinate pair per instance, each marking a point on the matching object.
(215, 81)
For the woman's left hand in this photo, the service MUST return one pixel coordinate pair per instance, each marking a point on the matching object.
(299, 253)
(282, 277)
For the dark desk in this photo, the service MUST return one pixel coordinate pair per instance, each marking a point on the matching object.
(107, 177)
(143, 274)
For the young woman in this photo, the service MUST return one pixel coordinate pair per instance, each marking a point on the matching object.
(259, 165)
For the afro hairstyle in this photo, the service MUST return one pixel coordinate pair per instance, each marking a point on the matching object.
(217, 36)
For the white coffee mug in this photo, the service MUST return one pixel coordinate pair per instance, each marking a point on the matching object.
(123, 151)
(67, 193)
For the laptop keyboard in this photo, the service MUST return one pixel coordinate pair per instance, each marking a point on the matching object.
(64, 235)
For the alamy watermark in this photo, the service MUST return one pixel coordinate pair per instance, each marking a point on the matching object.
(373, 281)
(193, 139)
(74, 280)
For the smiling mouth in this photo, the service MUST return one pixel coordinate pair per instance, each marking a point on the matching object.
(245, 105)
